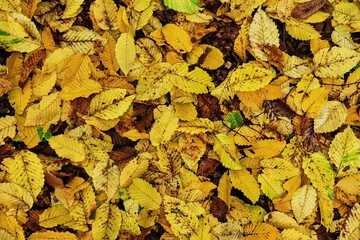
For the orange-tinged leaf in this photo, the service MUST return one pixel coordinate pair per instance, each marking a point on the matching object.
(224, 188)
(180, 41)
(266, 148)
(259, 231)
(50, 235)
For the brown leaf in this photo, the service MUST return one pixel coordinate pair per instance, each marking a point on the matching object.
(219, 209)
(5, 86)
(30, 63)
(305, 10)
(209, 107)
(207, 166)
(277, 107)
(305, 128)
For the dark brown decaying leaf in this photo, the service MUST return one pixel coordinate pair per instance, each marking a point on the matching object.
(219, 209)
(305, 128)
(305, 10)
(207, 166)
(209, 107)
(277, 107)
(30, 64)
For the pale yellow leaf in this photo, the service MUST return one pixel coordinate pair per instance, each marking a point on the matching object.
(106, 177)
(301, 30)
(50, 235)
(107, 222)
(351, 227)
(331, 117)
(72, 8)
(7, 128)
(125, 52)
(68, 147)
(303, 202)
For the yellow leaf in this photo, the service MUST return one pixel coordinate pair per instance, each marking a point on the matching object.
(78, 67)
(301, 30)
(266, 148)
(42, 83)
(180, 41)
(271, 187)
(290, 234)
(350, 229)
(263, 32)
(212, 58)
(318, 44)
(296, 67)
(197, 81)
(10, 228)
(279, 168)
(346, 13)
(58, 60)
(331, 117)
(199, 125)
(108, 55)
(225, 148)
(317, 17)
(163, 128)
(140, 5)
(280, 220)
(134, 169)
(10, 5)
(7, 128)
(317, 100)
(155, 82)
(203, 230)
(244, 181)
(107, 222)
(242, 40)
(82, 40)
(320, 173)
(50, 235)
(68, 147)
(303, 202)
(105, 14)
(147, 196)
(224, 188)
(19, 33)
(250, 77)
(72, 8)
(28, 7)
(191, 149)
(343, 151)
(28, 134)
(350, 184)
(106, 177)
(260, 231)
(80, 88)
(53, 216)
(20, 97)
(183, 221)
(326, 210)
(26, 170)
(334, 62)
(14, 196)
(125, 52)
(47, 111)
(228, 230)
(342, 37)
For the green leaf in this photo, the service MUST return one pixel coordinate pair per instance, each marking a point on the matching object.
(187, 6)
(235, 120)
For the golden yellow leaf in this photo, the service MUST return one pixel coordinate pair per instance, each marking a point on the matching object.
(134, 169)
(47, 111)
(180, 41)
(242, 40)
(280, 220)
(105, 14)
(317, 100)
(42, 83)
(28, 7)
(58, 60)
(326, 209)
(147, 196)
(163, 128)
(50, 235)
(125, 52)
(54, 216)
(212, 58)
(68, 147)
(20, 97)
(82, 40)
(72, 8)
(224, 188)
(343, 151)
(290, 234)
(296, 67)
(250, 77)
(263, 32)
(28, 134)
(26, 170)
(225, 148)
(318, 44)
(107, 222)
(334, 62)
(107, 55)
(10, 228)
(183, 221)
(10, 5)
(303, 202)
(301, 30)
(266, 148)
(244, 181)
(279, 168)
(259, 231)
(7, 128)
(331, 117)
(199, 125)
